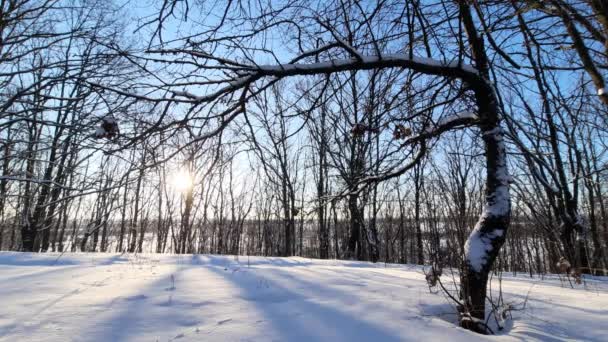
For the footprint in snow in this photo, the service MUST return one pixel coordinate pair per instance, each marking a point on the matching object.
(178, 336)
(187, 322)
(136, 298)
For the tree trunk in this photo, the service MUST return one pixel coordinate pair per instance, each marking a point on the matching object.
(488, 236)
(133, 233)
(417, 188)
(354, 243)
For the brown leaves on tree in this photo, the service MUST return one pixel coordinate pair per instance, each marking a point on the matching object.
(360, 129)
(565, 267)
(401, 132)
(108, 128)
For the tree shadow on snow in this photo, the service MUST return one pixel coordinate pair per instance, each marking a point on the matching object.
(243, 260)
(297, 318)
(151, 311)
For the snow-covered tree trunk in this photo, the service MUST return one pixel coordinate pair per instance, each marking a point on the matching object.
(486, 239)
(488, 236)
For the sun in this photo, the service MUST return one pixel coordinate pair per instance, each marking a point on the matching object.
(182, 181)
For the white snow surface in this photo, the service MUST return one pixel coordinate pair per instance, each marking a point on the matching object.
(112, 297)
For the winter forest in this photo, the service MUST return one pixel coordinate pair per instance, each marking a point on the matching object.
(464, 139)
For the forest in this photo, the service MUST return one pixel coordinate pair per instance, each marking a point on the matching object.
(469, 136)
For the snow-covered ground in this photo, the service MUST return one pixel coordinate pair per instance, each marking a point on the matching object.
(111, 297)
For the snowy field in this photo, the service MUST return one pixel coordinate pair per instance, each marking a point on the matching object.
(110, 297)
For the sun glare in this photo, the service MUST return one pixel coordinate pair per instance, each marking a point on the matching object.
(182, 181)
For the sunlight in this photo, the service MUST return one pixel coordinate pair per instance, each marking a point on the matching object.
(182, 181)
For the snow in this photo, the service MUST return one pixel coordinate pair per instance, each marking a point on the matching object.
(257, 71)
(404, 58)
(498, 203)
(450, 119)
(99, 132)
(457, 116)
(106, 128)
(478, 245)
(109, 119)
(112, 297)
